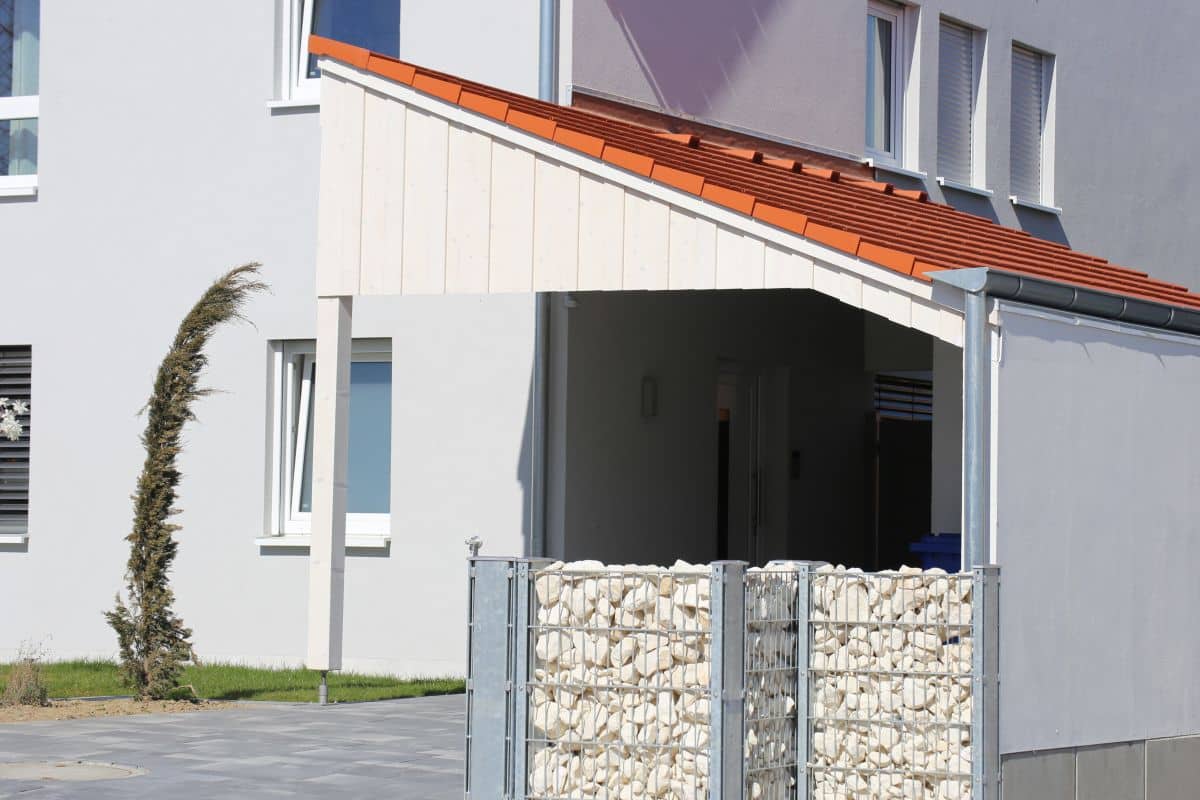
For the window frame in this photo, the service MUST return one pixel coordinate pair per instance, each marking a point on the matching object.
(292, 396)
(896, 14)
(23, 107)
(1044, 201)
(977, 178)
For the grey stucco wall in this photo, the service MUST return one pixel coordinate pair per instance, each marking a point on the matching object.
(161, 166)
(1128, 92)
(1096, 534)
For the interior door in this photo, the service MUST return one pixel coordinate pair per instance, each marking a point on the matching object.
(740, 475)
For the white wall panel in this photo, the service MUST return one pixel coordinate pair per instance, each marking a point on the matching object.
(468, 211)
(340, 214)
(555, 227)
(784, 270)
(647, 228)
(740, 260)
(382, 195)
(601, 231)
(426, 149)
(511, 250)
(692, 261)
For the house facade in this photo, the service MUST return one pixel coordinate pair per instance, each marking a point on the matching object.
(589, 420)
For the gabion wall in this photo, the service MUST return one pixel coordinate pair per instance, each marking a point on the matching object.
(619, 701)
(890, 682)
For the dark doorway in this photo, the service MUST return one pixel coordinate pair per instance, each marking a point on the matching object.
(903, 448)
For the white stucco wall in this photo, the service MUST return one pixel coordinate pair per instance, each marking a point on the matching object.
(157, 172)
(796, 70)
(1098, 533)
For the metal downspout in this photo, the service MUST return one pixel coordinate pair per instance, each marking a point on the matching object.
(547, 90)
(975, 392)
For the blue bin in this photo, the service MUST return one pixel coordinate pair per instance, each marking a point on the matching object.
(938, 550)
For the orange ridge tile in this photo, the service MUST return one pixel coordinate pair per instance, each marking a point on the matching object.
(784, 163)
(437, 87)
(582, 142)
(634, 162)
(391, 68)
(892, 259)
(912, 194)
(921, 269)
(781, 218)
(538, 126)
(877, 186)
(689, 139)
(834, 237)
(348, 53)
(488, 106)
(687, 181)
(730, 198)
(753, 156)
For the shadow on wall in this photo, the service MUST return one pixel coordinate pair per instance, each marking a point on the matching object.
(688, 50)
(970, 203)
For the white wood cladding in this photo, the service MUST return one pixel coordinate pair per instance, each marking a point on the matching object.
(415, 200)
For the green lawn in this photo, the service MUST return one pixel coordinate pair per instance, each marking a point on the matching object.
(229, 682)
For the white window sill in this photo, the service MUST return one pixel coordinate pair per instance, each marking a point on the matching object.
(893, 168)
(964, 187)
(356, 541)
(14, 538)
(25, 188)
(295, 104)
(1022, 203)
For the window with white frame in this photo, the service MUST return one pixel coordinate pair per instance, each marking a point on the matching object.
(961, 124)
(19, 38)
(16, 366)
(885, 81)
(371, 24)
(1031, 137)
(368, 485)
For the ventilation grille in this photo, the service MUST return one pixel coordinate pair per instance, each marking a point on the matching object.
(903, 398)
(15, 372)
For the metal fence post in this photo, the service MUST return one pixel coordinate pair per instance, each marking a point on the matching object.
(520, 680)
(728, 681)
(803, 737)
(488, 677)
(985, 683)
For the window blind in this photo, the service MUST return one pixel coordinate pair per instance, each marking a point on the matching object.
(898, 397)
(15, 374)
(956, 101)
(1028, 122)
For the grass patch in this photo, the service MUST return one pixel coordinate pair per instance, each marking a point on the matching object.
(230, 682)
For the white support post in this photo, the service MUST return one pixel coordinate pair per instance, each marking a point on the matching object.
(331, 428)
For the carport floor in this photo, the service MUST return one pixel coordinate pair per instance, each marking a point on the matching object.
(395, 748)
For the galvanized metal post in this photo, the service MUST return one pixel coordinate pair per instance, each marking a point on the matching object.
(489, 684)
(985, 683)
(975, 392)
(522, 610)
(728, 680)
(803, 632)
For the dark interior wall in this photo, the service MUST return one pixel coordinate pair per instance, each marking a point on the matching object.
(645, 489)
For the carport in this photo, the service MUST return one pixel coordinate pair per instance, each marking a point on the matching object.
(1052, 373)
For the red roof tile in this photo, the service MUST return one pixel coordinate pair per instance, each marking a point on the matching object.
(895, 228)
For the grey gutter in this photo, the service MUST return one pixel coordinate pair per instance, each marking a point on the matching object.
(977, 285)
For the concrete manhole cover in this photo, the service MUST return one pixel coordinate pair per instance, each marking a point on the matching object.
(65, 771)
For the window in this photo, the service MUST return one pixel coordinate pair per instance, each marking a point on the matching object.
(961, 124)
(1030, 153)
(19, 37)
(15, 377)
(373, 24)
(369, 470)
(885, 43)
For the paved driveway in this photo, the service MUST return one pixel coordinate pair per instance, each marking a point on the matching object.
(410, 749)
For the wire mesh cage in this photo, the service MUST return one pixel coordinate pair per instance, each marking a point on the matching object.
(890, 684)
(618, 695)
(773, 626)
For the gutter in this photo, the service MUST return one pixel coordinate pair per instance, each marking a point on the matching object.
(978, 284)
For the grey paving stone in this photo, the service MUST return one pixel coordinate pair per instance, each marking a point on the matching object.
(397, 748)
